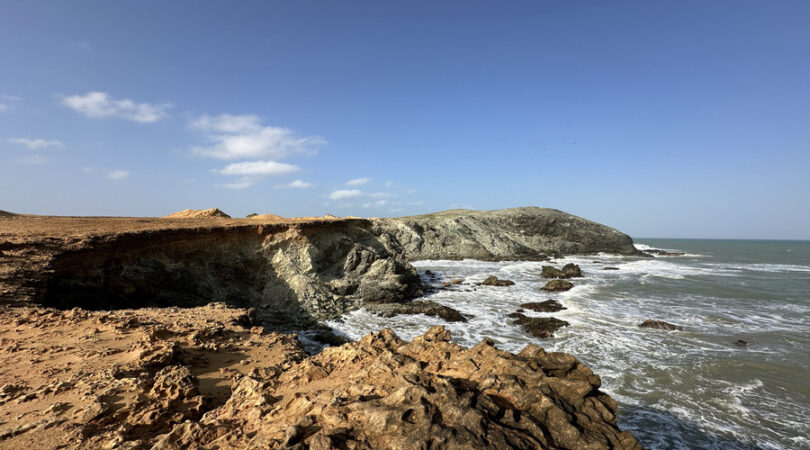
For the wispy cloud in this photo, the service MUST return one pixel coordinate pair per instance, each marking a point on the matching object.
(97, 104)
(117, 174)
(358, 181)
(341, 194)
(297, 184)
(3, 107)
(251, 172)
(259, 168)
(35, 144)
(244, 136)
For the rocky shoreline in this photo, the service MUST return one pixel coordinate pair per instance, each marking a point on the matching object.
(140, 372)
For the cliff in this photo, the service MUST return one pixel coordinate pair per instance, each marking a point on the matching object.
(506, 234)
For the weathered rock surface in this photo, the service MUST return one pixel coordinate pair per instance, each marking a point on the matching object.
(426, 307)
(492, 280)
(507, 234)
(382, 392)
(542, 327)
(546, 306)
(660, 324)
(557, 286)
(176, 378)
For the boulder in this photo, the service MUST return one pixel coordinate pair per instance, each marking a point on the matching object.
(552, 272)
(571, 270)
(494, 281)
(660, 325)
(452, 282)
(557, 286)
(541, 327)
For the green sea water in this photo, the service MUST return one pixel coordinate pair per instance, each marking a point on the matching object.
(677, 389)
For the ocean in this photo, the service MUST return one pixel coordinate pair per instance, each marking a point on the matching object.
(694, 388)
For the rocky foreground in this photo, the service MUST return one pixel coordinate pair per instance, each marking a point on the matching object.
(170, 333)
(208, 377)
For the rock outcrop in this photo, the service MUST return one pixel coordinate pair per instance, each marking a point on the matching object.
(507, 234)
(198, 213)
(382, 392)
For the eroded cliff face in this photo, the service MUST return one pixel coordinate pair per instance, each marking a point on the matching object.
(507, 234)
(292, 274)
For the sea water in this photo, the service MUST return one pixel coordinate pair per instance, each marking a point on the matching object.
(694, 388)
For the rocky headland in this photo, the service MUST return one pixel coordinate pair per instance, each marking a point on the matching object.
(174, 333)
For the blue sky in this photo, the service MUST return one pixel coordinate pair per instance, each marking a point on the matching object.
(662, 119)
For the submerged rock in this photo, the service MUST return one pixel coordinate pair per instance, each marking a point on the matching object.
(741, 343)
(660, 324)
(494, 281)
(426, 307)
(610, 268)
(546, 306)
(452, 282)
(659, 252)
(557, 286)
(542, 327)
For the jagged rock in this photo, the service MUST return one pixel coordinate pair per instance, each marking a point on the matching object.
(542, 327)
(387, 393)
(546, 306)
(660, 324)
(557, 286)
(572, 270)
(494, 281)
(426, 307)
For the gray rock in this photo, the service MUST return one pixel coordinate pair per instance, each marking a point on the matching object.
(508, 234)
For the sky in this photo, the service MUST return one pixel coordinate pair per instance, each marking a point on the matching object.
(662, 119)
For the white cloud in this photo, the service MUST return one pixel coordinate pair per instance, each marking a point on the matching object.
(297, 184)
(345, 193)
(35, 144)
(235, 137)
(259, 168)
(358, 181)
(97, 104)
(3, 107)
(381, 195)
(117, 174)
